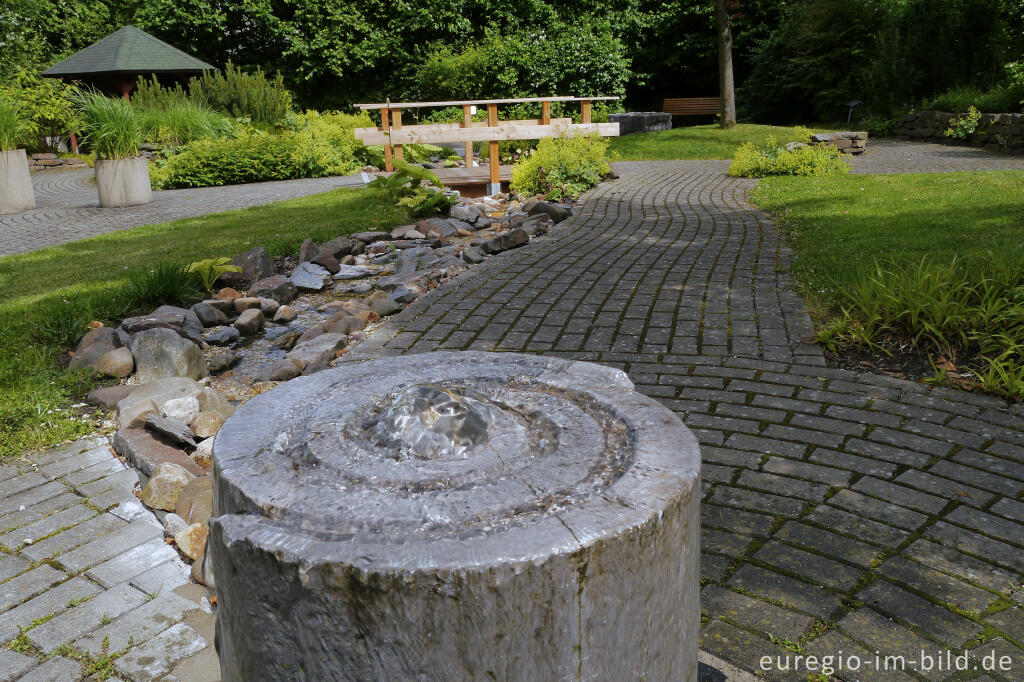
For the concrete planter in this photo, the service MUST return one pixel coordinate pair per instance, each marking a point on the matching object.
(15, 182)
(123, 182)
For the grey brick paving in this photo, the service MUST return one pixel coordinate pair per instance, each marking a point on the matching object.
(890, 508)
(67, 207)
(86, 570)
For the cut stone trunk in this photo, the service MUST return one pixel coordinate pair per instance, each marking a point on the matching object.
(457, 516)
(123, 182)
(15, 183)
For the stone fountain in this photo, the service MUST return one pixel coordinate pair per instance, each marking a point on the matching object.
(457, 516)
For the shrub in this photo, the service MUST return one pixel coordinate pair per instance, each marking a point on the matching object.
(562, 166)
(173, 123)
(48, 104)
(151, 94)
(110, 125)
(1000, 99)
(962, 127)
(162, 284)
(214, 162)
(326, 144)
(244, 95)
(414, 187)
(15, 127)
(771, 158)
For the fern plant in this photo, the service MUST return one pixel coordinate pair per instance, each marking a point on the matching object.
(405, 187)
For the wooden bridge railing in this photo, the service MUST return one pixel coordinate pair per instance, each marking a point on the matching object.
(392, 135)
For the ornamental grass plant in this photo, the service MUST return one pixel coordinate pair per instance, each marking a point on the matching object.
(110, 126)
(15, 125)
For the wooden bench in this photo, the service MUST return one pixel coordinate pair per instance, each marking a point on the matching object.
(692, 106)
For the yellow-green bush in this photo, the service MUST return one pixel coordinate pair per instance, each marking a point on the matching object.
(562, 166)
(315, 145)
(771, 158)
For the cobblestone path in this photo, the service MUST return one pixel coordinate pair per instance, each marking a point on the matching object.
(67, 207)
(842, 511)
(85, 573)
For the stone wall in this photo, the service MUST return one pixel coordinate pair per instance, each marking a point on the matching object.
(641, 122)
(42, 162)
(995, 131)
(847, 142)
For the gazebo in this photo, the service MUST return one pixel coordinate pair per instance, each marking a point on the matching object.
(114, 64)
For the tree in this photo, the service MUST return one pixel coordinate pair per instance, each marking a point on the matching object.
(726, 87)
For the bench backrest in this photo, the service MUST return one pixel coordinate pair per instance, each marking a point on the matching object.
(692, 106)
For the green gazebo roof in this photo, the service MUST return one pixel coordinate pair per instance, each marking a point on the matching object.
(127, 51)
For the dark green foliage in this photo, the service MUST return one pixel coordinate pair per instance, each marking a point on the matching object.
(149, 93)
(233, 161)
(244, 95)
(1000, 99)
(416, 188)
(161, 284)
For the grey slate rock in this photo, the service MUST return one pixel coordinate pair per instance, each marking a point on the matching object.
(281, 371)
(277, 287)
(308, 251)
(403, 294)
(250, 322)
(255, 264)
(310, 277)
(223, 337)
(184, 322)
(353, 272)
(473, 255)
(173, 430)
(370, 237)
(146, 451)
(208, 315)
(342, 246)
(385, 306)
(556, 212)
(327, 261)
(504, 242)
(109, 396)
(223, 362)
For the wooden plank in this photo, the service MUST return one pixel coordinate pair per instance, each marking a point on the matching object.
(545, 113)
(463, 102)
(385, 125)
(585, 111)
(467, 122)
(396, 124)
(430, 127)
(492, 121)
(412, 135)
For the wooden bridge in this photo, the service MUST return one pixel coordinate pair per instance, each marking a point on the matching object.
(392, 135)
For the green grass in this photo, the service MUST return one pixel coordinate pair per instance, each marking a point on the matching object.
(695, 142)
(933, 263)
(838, 226)
(47, 296)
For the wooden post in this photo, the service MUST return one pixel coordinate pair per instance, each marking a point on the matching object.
(545, 113)
(385, 124)
(492, 151)
(467, 122)
(396, 124)
(585, 111)
(74, 143)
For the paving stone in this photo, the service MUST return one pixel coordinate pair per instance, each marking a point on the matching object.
(735, 520)
(835, 645)
(783, 485)
(85, 617)
(760, 615)
(713, 567)
(887, 453)
(26, 585)
(949, 560)
(766, 446)
(72, 537)
(77, 462)
(968, 541)
(47, 526)
(814, 472)
(1010, 508)
(139, 624)
(724, 543)
(989, 524)
(899, 603)
(13, 665)
(110, 465)
(858, 526)
(904, 497)
(939, 585)
(1010, 621)
(56, 669)
(164, 577)
(21, 483)
(844, 460)
(812, 567)
(827, 543)
(789, 591)
(53, 600)
(117, 542)
(132, 562)
(949, 490)
(22, 518)
(877, 509)
(760, 501)
(157, 656)
(890, 640)
(740, 648)
(994, 654)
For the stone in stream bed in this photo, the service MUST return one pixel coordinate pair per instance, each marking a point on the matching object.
(310, 277)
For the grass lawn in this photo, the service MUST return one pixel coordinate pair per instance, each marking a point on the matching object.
(695, 142)
(838, 226)
(43, 292)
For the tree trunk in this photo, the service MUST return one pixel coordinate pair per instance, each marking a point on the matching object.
(725, 81)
